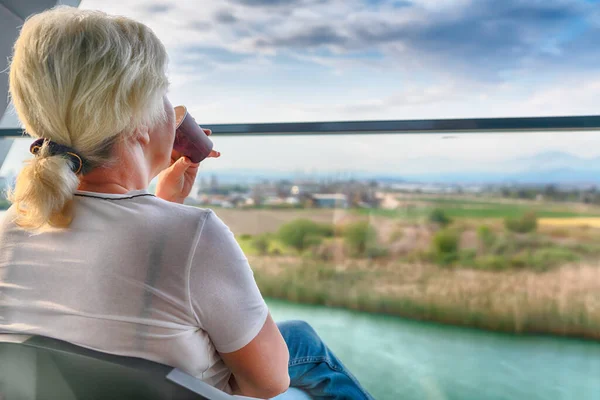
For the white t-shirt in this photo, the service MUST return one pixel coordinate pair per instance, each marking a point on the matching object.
(134, 275)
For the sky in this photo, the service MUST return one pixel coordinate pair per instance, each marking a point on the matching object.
(234, 61)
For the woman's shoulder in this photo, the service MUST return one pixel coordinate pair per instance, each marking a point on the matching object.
(137, 211)
(184, 211)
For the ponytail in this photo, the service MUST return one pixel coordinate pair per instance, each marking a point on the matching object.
(44, 191)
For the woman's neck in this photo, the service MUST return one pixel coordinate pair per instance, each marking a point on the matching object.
(130, 173)
(110, 188)
(109, 182)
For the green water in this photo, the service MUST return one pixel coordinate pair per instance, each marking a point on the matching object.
(406, 360)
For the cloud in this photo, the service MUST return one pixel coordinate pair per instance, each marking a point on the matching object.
(158, 8)
(306, 38)
(226, 17)
(552, 100)
(401, 3)
(410, 96)
(377, 59)
(276, 3)
(483, 37)
(201, 55)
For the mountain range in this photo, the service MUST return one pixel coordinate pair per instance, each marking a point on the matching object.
(543, 168)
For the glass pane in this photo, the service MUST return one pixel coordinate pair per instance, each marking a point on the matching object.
(364, 236)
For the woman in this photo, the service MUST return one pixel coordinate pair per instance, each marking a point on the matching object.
(89, 256)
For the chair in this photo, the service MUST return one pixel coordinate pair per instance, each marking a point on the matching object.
(36, 367)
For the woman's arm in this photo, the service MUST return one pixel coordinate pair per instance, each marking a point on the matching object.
(260, 369)
(175, 182)
(228, 305)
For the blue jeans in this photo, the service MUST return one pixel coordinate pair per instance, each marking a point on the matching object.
(314, 368)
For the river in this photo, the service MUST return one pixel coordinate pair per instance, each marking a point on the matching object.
(398, 359)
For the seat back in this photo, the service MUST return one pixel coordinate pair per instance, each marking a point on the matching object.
(43, 368)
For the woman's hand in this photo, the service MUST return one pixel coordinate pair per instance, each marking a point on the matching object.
(175, 183)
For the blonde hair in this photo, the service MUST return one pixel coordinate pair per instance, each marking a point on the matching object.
(83, 79)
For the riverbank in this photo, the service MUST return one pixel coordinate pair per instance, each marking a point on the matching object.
(564, 301)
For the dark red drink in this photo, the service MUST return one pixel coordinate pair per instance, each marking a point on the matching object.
(190, 139)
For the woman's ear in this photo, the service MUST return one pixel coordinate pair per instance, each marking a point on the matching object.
(142, 135)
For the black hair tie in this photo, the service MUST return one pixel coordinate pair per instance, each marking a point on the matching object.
(79, 164)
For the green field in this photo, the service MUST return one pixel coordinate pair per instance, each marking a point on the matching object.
(274, 246)
(467, 208)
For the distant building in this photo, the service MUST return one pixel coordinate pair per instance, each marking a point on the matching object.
(217, 201)
(262, 191)
(304, 188)
(430, 188)
(294, 201)
(214, 184)
(273, 201)
(388, 201)
(330, 200)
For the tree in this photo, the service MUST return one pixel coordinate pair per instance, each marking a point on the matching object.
(445, 246)
(360, 237)
(303, 233)
(486, 236)
(438, 216)
(261, 243)
(446, 241)
(526, 224)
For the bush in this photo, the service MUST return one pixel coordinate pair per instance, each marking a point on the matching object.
(520, 260)
(446, 241)
(532, 241)
(526, 224)
(360, 237)
(438, 216)
(375, 251)
(301, 233)
(467, 257)
(529, 223)
(503, 245)
(587, 249)
(261, 243)
(445, 247)
(492, 262)
(546, 258)
(446, 259)
(325, 251)
(486, 236)
(245, 236)
(312, 240)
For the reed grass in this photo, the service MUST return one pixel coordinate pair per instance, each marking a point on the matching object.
(565, 301)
